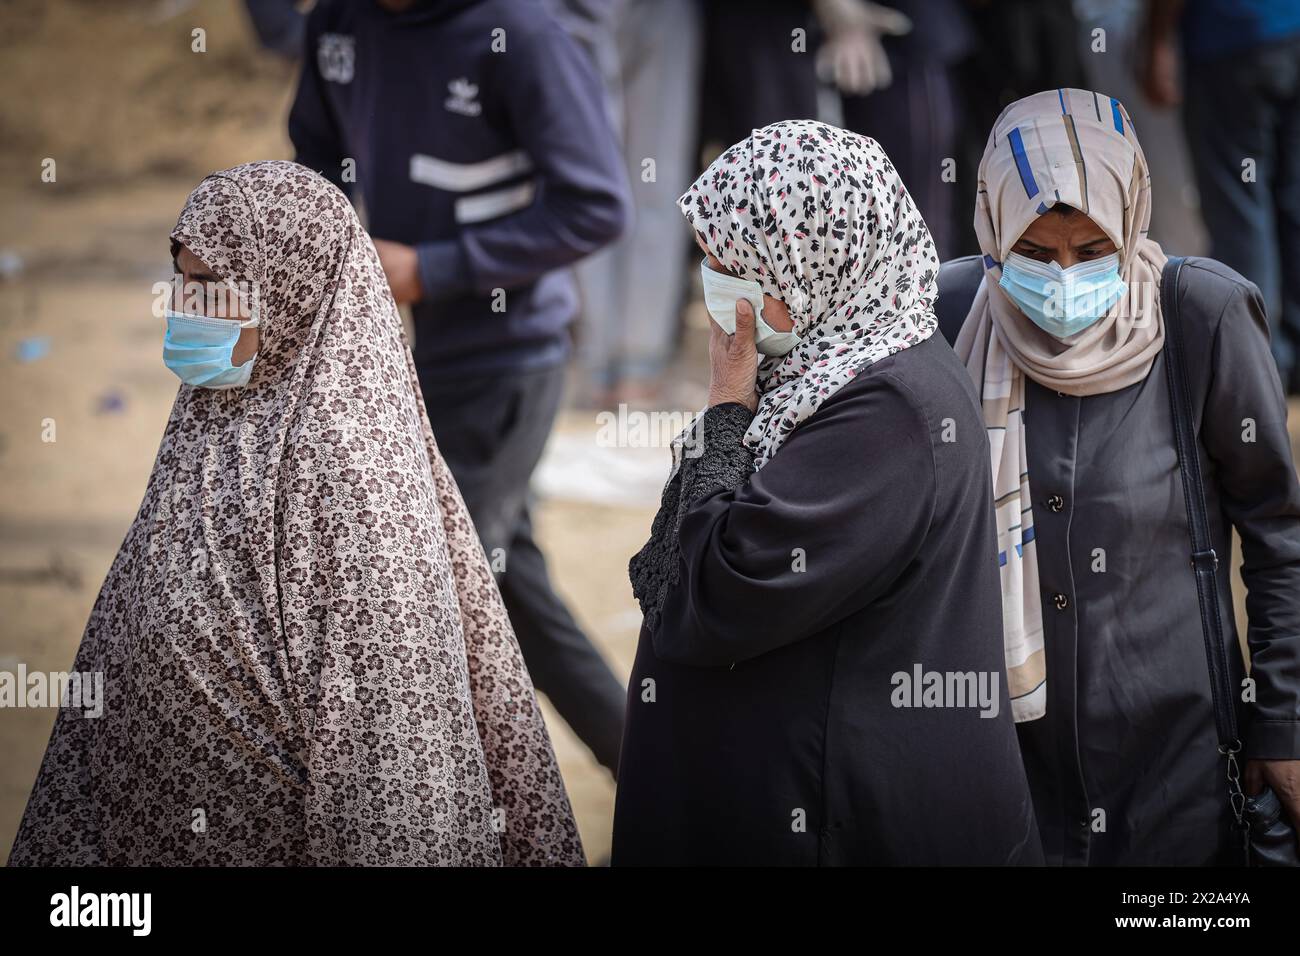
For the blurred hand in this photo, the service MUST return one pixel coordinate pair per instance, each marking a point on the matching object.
(1158, 74)
(402, 267)
(733, 361)
(853, 56)
(1283, 778)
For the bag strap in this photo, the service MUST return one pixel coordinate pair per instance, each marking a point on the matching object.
(1205, 561)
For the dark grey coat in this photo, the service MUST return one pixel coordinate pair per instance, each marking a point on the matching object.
(761, 724)
(1129, 729)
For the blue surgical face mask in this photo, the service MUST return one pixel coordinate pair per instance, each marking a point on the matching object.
(197, 348)
(720, 294)
(1063, 302)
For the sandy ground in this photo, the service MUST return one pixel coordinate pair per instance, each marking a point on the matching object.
(133, 119)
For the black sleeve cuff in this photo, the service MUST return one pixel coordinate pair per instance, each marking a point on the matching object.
(713, 458)
(1273, 740)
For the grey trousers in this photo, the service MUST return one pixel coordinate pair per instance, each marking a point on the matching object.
(632, 290)
(1246, 106)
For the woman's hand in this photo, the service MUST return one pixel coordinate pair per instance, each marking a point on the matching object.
(402, 268)
(733, 361)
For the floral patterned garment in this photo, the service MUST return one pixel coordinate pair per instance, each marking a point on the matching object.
(305, 656)
(818, 217)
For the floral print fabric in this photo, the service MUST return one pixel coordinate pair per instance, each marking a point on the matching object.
(305, 656)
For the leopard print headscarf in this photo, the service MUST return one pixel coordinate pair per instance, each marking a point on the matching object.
(305, 656)
(820, 219)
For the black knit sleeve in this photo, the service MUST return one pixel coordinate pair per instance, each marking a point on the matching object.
(713, 457)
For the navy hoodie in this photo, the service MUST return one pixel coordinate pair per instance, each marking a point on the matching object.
(499, 167)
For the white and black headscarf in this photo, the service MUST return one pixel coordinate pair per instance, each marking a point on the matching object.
(819, 217)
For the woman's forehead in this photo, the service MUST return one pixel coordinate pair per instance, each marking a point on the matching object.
(1074, 227)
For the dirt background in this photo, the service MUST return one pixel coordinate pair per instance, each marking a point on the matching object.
(133, 119)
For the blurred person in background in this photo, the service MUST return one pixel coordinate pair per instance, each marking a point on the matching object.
(819, 544)
(305, 658)
(1111, 44)
(894, 65)
(649, 54)
(1061, 327)
(485, 162)
(279, 24)
(1019, 47)
(759, 66)
(1238, 80)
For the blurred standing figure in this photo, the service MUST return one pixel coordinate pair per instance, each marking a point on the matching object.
(477, 135)
(1175, 212)
(593, 25)
(1021, 46)
(1241, 107)
(279, 25)
(894, 66)
(758, 66)
(649, 54)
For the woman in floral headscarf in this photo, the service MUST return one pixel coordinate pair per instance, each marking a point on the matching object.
(819, 676)
(305, 657)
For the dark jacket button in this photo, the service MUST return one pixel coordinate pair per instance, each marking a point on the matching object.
(1055, 503)
(1061, 601)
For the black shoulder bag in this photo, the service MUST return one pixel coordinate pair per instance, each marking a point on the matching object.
(1267, 838)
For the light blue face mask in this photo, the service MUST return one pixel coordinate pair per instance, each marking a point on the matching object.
(1063, 302)
(197, 348)
(720, 294)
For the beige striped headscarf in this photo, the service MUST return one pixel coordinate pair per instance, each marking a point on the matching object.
(1078, 148)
